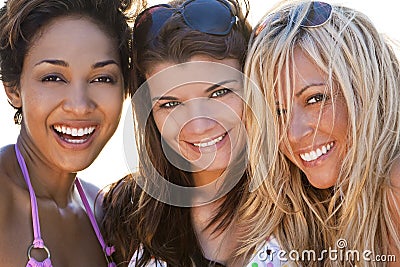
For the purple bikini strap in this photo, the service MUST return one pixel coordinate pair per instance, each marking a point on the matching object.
(38, 241)
(107, 250)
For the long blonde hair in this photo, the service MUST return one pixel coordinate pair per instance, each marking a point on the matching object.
(362, 63)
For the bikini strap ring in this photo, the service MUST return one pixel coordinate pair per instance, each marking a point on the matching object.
(33, 246)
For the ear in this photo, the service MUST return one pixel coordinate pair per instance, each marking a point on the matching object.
(13, 94)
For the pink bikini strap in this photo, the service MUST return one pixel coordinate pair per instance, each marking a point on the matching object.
(38, 241)
(107, 250)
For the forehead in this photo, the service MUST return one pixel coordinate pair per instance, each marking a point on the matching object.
(300, 70)
(69, 34)
(166, 76)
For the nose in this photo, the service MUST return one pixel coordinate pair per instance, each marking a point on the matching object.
(199, 117)
(300, 126)
(199, 126)
(78, 100)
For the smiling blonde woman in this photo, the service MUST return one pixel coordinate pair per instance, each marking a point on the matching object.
(325, 154)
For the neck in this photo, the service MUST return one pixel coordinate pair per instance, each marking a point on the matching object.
(206, 177)
(217, 245)
(208, 187)
(48, 182)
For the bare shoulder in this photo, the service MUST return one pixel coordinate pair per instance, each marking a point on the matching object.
(8, 169)
(8, 182)
(110, 196)
(94, 197)
(395, 174)
(91, 190)
(394, 205)
(394, 190)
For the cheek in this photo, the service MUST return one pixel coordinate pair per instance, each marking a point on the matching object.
(230, 112)
(343, 118)
(285, 147)
(110, 101)
(159, 119)
(166, 125)
(237, 105)
(37, 105)
(110, 97)
(341, 121)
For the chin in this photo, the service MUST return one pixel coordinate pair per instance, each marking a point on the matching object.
(76, 165)
(321, 184)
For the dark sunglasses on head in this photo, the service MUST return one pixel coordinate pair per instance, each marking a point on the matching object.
(208, 16)
(317, 15)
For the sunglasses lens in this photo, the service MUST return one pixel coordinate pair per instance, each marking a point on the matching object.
(149, 23)
(209, 16)
(318, 14)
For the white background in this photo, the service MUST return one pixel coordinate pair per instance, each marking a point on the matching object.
(110, 165)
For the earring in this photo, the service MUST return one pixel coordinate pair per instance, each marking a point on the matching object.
(18, 116)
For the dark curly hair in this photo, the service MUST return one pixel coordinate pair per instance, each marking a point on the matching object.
(22, 20)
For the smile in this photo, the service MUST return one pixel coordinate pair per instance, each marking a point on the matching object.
(210, 143)
(74, 135)
(315, 154)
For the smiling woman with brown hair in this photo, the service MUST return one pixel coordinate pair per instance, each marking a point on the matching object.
(188, 116)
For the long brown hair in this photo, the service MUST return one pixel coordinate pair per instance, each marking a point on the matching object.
(133, 219)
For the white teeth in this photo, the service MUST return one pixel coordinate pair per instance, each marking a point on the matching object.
(315, 154)
(76, 141)
(210, 143)
(75, 132)
(305, 157)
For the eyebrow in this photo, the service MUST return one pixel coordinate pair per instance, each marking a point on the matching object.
(303, 90)
(308, 86)
(215, 86)
(56, 62)
(209, 89)
(62, 63)
(104, 63)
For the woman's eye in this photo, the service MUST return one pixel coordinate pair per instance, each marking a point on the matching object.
(317, 98)
(170, 104)
(103, 79)
(220, 92)
(52, 78)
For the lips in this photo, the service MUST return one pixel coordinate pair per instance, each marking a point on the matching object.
(74, 135)
(211, 142)
(317, 153)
